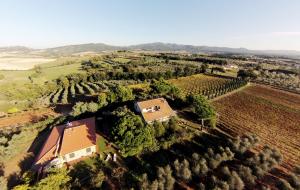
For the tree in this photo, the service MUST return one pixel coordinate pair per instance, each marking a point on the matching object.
(120, 94)
(203, 109)
(172, 123)
(162, 88)
(159, 129)
(204, 68)
(246, 74)
(102, 99)
(131, 135)
(98, 179)
(57, 178)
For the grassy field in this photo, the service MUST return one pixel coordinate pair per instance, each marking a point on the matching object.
(273, 115)
(18, 82)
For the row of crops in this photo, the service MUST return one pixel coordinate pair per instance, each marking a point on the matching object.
(67, 94)
(208, 86)
(218, 90)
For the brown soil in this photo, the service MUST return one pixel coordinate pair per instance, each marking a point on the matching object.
(26, 117)
(273, 115)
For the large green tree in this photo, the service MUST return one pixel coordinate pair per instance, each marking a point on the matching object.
(203, 109)
(120, 94)
(163, 88)
(131, 134)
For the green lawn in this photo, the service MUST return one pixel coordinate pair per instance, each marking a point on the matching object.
(102, 145)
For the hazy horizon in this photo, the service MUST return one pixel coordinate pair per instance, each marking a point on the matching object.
(254, 25)
(117, 45)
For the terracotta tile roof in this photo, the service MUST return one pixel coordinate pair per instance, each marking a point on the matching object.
(78, 137)
(48, 149)
(164, 109)
(80, 134)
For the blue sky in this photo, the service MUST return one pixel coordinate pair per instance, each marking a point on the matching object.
(253, 24)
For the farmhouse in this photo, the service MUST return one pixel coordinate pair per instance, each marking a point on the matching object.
(230, 67)
(67, 143)
(154, 110)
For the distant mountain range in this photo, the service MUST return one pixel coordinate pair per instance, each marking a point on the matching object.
(158, 46)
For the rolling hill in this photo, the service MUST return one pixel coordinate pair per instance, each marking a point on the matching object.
(157, 46)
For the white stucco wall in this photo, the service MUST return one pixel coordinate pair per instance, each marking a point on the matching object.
(79, 154)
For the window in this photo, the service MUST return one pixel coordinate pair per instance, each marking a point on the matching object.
(88, 150)
(72, 155)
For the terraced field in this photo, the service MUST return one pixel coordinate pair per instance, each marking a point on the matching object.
(273, 115)
(68, 94)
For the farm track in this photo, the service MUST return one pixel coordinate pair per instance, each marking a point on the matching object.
(271, 114)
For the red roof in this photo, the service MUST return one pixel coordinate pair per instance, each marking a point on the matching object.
(164, 109)
(65, 139)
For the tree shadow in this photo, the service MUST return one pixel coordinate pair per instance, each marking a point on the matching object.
(1, 169)
(26, 163)
(13, 180)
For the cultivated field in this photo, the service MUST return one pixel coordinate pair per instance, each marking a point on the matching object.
(273, 115)
(209, 86)
(197, 83)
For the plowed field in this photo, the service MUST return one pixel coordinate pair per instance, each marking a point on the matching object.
(271, 114)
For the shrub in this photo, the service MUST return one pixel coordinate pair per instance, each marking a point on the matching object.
(80, 89)
(294, 181)
(284, 185)
(102, 99)
(266, 160)
(165, 179)
(183, 170)
(13, 110)
(89, 89)
(82, 107)
(241, 145)
(64, 98)
(72, 89)
(215, 159)
(199, 165)
(246, 174)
